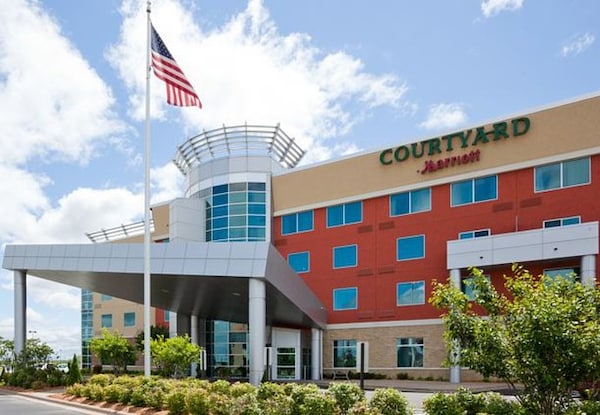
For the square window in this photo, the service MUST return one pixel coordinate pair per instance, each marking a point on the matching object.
(410, 293)
(410, 247)
(400, 204)
(129, 319)
(345, 256)
(462, 193)
(335, 215)
(106, 320)
(344, 353)
(353, 212)
(420, 200)
(297, 222)
(475, 190)
(305, 221)
(576, 172)
(299, 261)
(410, 352)
(345, 299)
(485, 189)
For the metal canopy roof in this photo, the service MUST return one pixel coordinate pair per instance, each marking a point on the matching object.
(209, 280)
(245, 140)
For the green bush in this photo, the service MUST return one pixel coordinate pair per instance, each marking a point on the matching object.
(219, 404)
(102, 379)
(390, 402)
(471, 403)
(268, 390)
(196, 402)
(113, 392)
(245, 405)
(442, 404)
(346, 395)
(95, 392)
(241, 388)
(175, 401)
(75, 390)
(220, 386)
(318, 404)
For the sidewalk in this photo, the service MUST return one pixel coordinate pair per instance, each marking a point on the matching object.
(424, 385)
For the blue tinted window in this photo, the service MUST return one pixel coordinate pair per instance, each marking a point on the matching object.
(335, 215)
(485, 188)
(411, 247)
(107, 320)
(345, 256)
(105, 297)
(345, 299)
(129, 319)
(219, 189)
(256, 186)
(256, 220)
(297, 222)
(305, 221)
(256, 197)
(574, 220)
(474, 234)
(344, 214)
(409, 293)
(475, 190)
(299, 261)
(256, 208)
(220, 199)
(564, 174)
(410, 202)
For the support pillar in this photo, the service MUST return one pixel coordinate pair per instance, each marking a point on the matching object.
(316, 346)
(455, 280)
(20, 300)
(172, 324)
(194, 340)
(257, 306)
(588, 270)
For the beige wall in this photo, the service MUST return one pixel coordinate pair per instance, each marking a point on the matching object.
(117, 307)
(568, 128)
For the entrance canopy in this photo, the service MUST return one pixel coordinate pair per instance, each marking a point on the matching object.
(208, 280)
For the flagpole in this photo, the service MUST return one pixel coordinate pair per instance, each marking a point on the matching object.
(147, 206)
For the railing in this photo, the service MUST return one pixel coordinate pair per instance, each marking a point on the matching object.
(119, 232)
(238, 140)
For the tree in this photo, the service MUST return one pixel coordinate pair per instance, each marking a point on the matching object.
(174, 355)
(113, 349)
(543, 335)
(155, 333)
(6, 351)
(35, 354)
(74, 373)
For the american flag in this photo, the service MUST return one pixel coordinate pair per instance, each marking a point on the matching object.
(179, 90)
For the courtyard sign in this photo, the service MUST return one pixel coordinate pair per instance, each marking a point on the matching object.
(455, 141)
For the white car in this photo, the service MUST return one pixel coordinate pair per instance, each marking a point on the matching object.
(63, 367)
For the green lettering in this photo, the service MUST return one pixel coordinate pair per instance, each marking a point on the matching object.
(500, 130)
(448, 139)
(434, 146)
(481, 136)
(414, 150)
(464, 139)
(382, 158)
(525, 124)
(397, 153)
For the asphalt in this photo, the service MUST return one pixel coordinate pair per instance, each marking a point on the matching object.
(369, 385)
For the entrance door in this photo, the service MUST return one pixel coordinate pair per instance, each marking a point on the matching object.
(286, 363)
(286, 351)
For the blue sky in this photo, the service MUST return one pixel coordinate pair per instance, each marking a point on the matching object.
(340, 76)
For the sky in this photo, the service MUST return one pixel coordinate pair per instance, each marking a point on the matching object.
(340, 76)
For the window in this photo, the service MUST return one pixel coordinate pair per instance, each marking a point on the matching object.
(553, 223)
(474, 234)
(475, 190)
(410, 293)
(345, 299)
(564, 174)
(299, 261)
(344, 214)
(128, 319)
(410, 247)
(297, 222)
(410, 352)
(235, 212)
(104, 297)
(410, 202)
(106, 320)
(345, 256)
(344, 353)
(569, 273)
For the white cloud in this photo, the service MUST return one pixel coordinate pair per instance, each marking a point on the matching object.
(52, 102)
(246, 71)
(577, 44)
(493, 7)
(167, 183)
(444, 116)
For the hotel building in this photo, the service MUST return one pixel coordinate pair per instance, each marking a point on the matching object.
(288, 270)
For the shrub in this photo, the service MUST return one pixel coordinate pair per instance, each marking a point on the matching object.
(245, 405)
(175, 402)
(318, 404)
(95, 392)
(220, 386)
(269, 390)
(101, 379)
(241, 388)
(471, 403)
(113, 393)
(298, 394)
(196, 402)
(346, 395)
(442, 404)
(219, 404)
(75, 390)
(390, 402)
